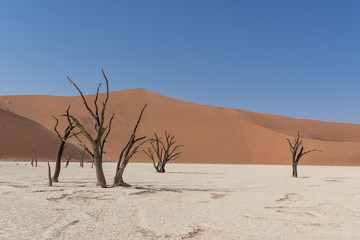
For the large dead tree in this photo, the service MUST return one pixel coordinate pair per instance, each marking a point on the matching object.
(296, 153)
(161, 153)
(128, 151)
(97, 141)
(67, 134)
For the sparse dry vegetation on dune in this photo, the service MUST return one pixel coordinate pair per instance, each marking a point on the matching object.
(189, 202)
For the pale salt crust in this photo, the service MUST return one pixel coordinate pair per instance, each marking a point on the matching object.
(190, 201)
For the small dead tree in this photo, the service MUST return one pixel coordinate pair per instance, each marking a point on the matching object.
(49, 175)
(35, 157)
(81, 157)
(67, 134)
(128, 151)
(296, 153)
(1, 155)
(86, 149)
(34, 160)
(98, 140)
(161, 153)
(67, 158)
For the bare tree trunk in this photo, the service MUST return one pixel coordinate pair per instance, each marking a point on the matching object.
(100, 177)
(35, 158)
(118, 180)
(55, 178)
(81, 155)
(156, 166)
(124, 160)
(68, 158)
(162, 169)
(49, 175)
(67, 162)
(294, 172)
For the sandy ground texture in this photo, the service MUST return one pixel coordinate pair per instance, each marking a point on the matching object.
(188, 202)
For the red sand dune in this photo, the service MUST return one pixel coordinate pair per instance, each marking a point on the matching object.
(21, 138)
(210, 134)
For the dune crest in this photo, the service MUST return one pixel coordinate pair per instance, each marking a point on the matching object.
(210, 134)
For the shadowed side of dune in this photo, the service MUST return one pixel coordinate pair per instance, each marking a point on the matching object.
(21, 137)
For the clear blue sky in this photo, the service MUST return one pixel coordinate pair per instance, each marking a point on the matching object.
(294, 58)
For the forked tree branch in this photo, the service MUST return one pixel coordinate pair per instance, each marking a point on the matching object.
(107, 133)
(83, 98)
(127, 152)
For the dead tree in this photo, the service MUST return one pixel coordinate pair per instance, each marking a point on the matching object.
(67, 134)
(128, 151)
(49, 176)
(81, 157)
(34, 160)
(161, 153)
(67, 158)
(1, 155)
(97, 141)
(296, 154)
(86, 149)
(35, 157)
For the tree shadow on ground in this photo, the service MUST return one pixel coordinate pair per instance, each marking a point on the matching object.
(177, 189)
(204, 173)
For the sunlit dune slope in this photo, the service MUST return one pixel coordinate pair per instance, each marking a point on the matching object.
(210, 134)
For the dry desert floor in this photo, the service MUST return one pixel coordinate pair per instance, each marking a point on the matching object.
(190, 201)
